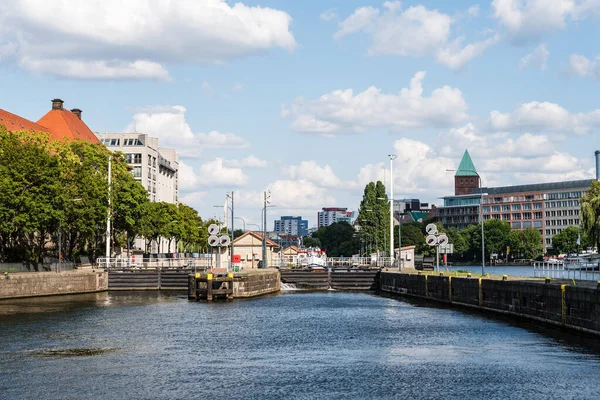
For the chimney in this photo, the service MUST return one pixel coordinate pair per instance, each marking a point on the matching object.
(57, 104)
(597, 165)
(77, 112)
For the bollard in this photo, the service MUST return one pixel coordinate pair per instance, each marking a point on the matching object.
(419, 273)
(548, 279)
(598, 284)
(468, 274)
(441, 274)
(504, 277)
(6, 275)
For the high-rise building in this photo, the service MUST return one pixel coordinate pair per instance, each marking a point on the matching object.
(291, 226)
(330, 215)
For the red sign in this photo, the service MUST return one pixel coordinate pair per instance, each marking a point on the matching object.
(236, 258)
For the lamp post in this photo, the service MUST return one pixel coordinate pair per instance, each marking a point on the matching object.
(392, 158)
(267, 196)
(480, 215)
(108, 213)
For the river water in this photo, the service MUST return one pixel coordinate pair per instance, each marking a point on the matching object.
(298, 345)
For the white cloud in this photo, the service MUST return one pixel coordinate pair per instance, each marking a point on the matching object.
(527, 20)
(136, 38)
(237, 87)
(323, 177)
(417, 31)
(168, 124)
(583, 67)
(215, 174)
(328, 15)
(248, 162)
(544, 117)
(538, 58)
(473, 11)
(454, 56)
(299, 194)
(96, 69)
(341, 111)
(187, 177)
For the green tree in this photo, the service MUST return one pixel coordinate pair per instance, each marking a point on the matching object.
(496, 236)
(590, 214)
(338, 239)
(565, 242)
(373, 216)
(310, 241)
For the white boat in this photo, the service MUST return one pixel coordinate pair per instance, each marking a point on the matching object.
(582, 263)
(312, 257)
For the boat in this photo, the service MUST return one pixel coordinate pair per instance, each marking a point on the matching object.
(586, 262)
(312, 257)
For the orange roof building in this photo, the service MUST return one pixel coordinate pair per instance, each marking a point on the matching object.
(13, 122)
(60, 123)
(65, 124)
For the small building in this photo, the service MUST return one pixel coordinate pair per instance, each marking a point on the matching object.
(407, 256)
(249, 248)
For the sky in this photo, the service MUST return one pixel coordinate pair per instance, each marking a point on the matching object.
(307, 99)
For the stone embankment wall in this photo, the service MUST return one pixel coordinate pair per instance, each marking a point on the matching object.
(30, 284)
(571, 306)
(255, 283)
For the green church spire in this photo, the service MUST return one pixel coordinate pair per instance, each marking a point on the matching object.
(466, 166)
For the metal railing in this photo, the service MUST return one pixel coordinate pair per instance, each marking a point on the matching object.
(542, 269)
(351, 262)
(154, 263)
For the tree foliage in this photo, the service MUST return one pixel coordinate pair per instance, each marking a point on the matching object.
(590, 214)
(338, 239)
(565, 242)
(374, 217)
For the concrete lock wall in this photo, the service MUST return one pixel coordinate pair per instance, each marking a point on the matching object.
(51, 283)
(256, 283)
(567, 305)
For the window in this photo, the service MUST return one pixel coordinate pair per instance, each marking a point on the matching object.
(548, 232)
(516, 216)
(547, 213)
(537, 215)
(505, 217)
(516, 207)
(516, 225)
(495, 208)
(486, 209)
(526, 206)
(537, 224)
(137, 158)
(136, 172)
(527, 224)
(548, 241)
(527, 215)
(537, 206)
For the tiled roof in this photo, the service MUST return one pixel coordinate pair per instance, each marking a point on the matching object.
(466, 166)
(13, 122)
(257, 236)
(64, 124)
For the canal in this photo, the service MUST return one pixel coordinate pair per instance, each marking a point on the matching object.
(301, 345)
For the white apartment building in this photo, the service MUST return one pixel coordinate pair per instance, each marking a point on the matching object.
(154, 167)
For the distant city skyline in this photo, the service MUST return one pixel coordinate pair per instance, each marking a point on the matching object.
(307, 99)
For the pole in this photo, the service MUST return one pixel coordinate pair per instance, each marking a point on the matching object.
(59, 248)
(482, 237)
(232, 232)
(400, 243)
(264, 243)
(108, 213)
(392, 158)
(437, 258)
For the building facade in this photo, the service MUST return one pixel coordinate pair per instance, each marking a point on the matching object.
(330, 215)
(155, 168)
(288, 225)
(548, 207)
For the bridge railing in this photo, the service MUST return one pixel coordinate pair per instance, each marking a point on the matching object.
(350, 262)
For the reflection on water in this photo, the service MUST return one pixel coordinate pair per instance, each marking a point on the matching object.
(150, 345)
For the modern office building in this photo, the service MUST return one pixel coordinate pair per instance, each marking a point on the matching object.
(155, 168)
(330, 215)
(410, 210)
(294, 226)
(548, 207)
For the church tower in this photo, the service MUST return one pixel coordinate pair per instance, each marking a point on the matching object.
(466, 178)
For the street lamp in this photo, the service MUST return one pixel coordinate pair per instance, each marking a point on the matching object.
(392, 158)
(480, 215)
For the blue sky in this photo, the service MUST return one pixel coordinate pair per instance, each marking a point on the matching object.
(307, 99)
